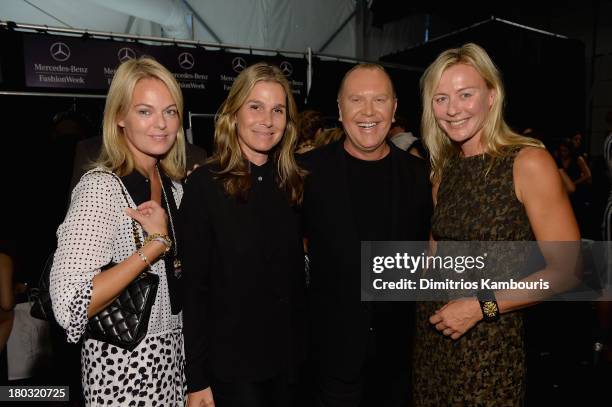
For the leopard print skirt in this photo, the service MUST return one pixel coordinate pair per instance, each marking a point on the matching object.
(485, 367)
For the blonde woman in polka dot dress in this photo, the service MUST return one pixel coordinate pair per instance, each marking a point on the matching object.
(144, 147)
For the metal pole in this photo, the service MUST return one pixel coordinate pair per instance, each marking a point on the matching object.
(108, 34)
(130, 22)
(308, 71)
(360, 24)
(493, 18)
(52, 94)
(381, 63)
(193, 33)
(589, 107)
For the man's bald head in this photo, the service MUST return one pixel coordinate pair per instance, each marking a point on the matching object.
(364, 65)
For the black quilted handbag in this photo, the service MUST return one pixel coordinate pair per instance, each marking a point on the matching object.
(41, 300)
(124, 322)
(42, 307)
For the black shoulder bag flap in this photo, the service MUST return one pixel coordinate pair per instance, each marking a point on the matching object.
(124, 322)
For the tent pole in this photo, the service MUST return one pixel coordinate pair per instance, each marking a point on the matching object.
(308, 71)
(47, 13)
(589, 106)
(201, 21)
(52, 94)
(360, 28)
(335, 34)
(130, 22)
(108, 34)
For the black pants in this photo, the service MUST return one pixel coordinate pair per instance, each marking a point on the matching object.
(381, 383)
(366, 391)
(278, 391)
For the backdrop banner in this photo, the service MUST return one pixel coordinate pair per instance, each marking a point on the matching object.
(85, 63)
(231, 64)
(70, 63)
(61, 62)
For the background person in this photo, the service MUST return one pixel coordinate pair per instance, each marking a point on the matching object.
(404, 139)
(7, 303)
(399, 134)
(603, 335)
(310, 125)
(329, 135)
(579, 172)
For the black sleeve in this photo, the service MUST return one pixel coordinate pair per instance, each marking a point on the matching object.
(304, 161)
(196, 239)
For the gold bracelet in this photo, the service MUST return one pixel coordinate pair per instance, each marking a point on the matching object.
(143, 257)
(165, 239)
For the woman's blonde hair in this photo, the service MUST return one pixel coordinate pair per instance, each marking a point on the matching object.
(115, 154)
(233, 165)
(497, 137)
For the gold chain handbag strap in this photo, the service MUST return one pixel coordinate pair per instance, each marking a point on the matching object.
(135, 232)
(169, 212)
(176, 263)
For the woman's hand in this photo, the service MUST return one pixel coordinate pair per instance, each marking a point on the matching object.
(457, 317)
(202, 398)
(151, 216)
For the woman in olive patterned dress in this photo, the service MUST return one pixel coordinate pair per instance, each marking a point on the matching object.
(489, 184)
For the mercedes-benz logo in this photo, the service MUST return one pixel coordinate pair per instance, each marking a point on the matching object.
(125, 54)
(59, 51)
(238, 64)
(185, 60)
(286, 68)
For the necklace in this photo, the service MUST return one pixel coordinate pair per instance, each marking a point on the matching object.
(176, 263)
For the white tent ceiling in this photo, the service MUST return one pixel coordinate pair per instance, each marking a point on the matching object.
(274, 24)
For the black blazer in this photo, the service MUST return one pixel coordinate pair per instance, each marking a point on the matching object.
(340, 322)
(243, 265)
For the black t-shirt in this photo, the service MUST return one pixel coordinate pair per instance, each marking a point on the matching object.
(370, 191)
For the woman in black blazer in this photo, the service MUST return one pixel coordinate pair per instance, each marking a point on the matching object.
(242, 251)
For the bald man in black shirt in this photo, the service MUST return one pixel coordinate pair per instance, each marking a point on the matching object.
(359, 189)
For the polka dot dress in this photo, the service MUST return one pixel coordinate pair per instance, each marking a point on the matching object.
(95, 232)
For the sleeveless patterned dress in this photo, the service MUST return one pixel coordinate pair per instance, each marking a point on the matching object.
(476, 201)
